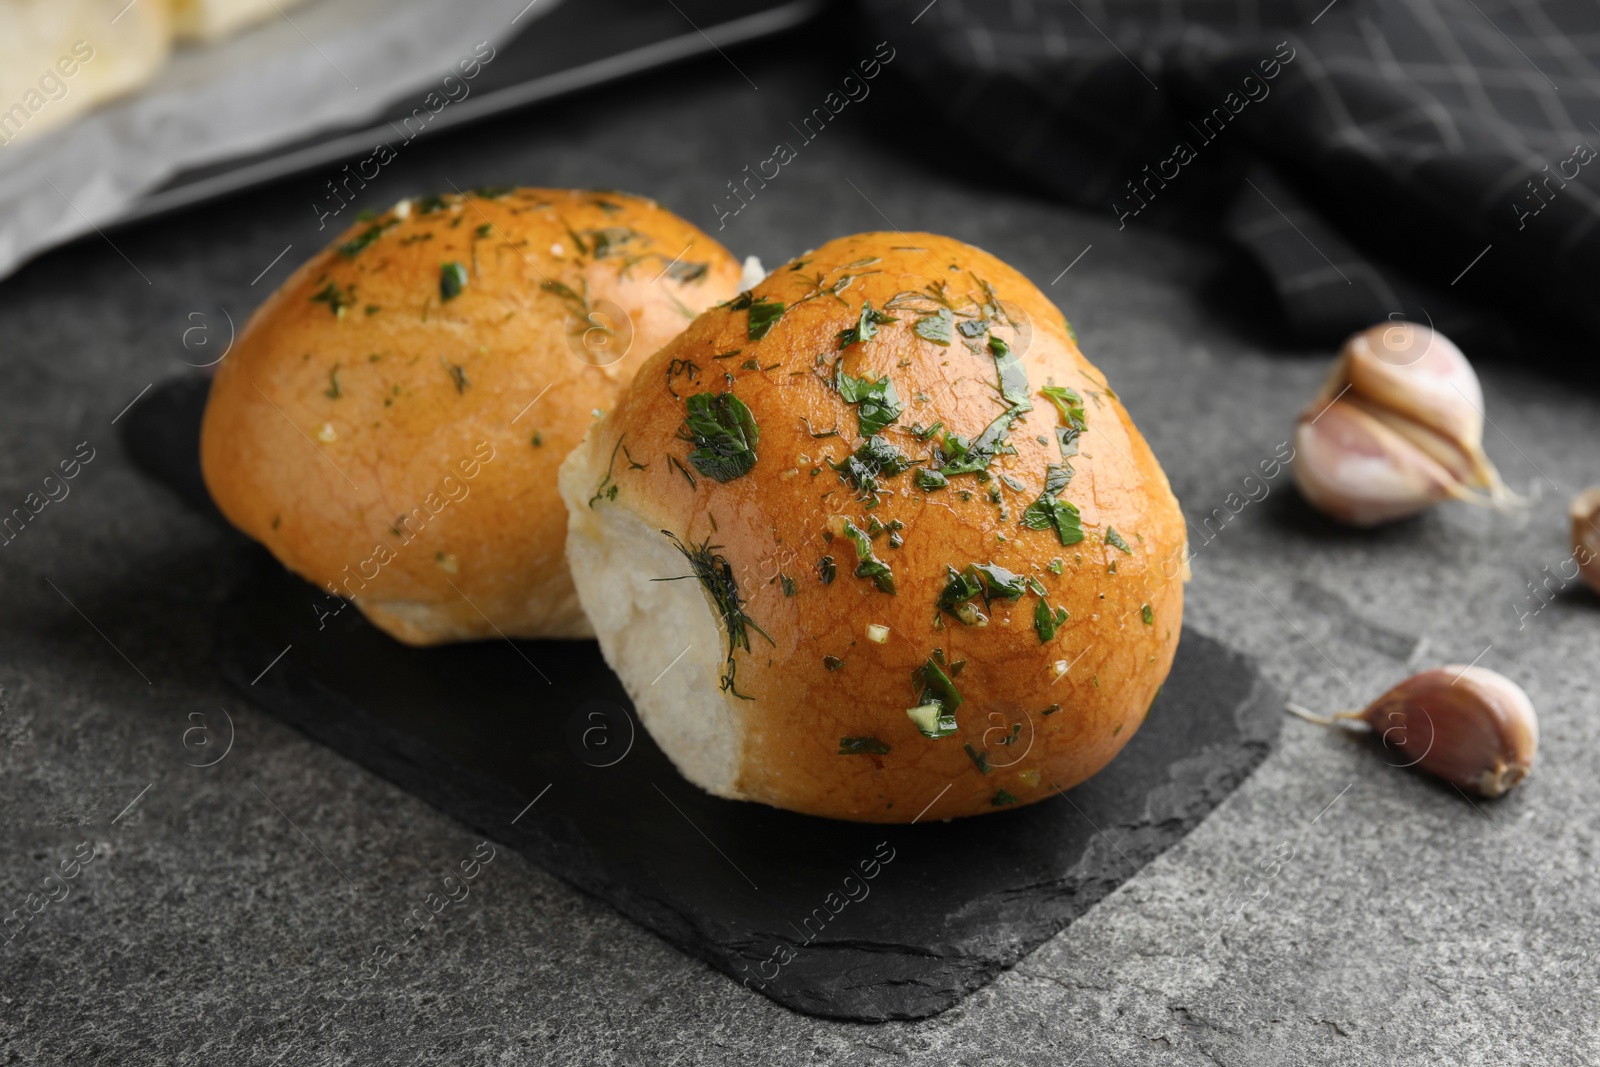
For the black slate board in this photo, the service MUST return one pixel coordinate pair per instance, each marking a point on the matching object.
(535, 744)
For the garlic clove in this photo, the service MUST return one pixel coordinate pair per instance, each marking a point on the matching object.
(1421, 374)
(1470, 726)
(1354, 468)
(1406, 410)
(1585, 511)
(1461, 465)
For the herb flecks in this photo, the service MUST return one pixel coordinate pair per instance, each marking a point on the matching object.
(614, 240)
(333, 392)
(1070, 405)
(1049, 512)
(962, 588)
(936, 327)
(764, 313)
(686, 367)
(822, 288)
(684, 272)
(715, 575)
(856, 746)
(1046, 620)
(980, 759)
(976, 455)
(724, 434)
(990, 582)
(336, 298)
(818, 434)
(937, 701)
(868, 565)
(878, 403)
(577, 303)
(1116, 540)
(353, 247)
(673, 460)
(1052, 513)
(452, 280)
(956, 454)
(458, 374)
(607, 489)
(999, 583)
(932, 720)
(1013, 375)
(876, 457)
(866, 327)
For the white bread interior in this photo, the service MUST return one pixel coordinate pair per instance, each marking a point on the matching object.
(644, 624)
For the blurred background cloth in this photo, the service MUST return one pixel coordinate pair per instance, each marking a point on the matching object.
(1431, 158)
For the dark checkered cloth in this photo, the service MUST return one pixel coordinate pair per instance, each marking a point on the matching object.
(1431, 158)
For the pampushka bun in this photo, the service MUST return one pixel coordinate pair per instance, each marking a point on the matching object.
(390, 422)
(874, 541)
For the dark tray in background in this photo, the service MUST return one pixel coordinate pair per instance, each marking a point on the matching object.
(579, 45)
(536, 745)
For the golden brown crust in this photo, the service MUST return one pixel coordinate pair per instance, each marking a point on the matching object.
(362, 392)
(773, 524)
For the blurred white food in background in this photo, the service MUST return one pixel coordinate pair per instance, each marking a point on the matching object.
(206, 20)
(754, 273)
(318, 68)
(58, 58)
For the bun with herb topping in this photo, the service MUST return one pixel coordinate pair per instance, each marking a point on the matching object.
(875, 541)
(390, 422)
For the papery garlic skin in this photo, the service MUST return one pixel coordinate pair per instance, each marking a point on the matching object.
(1585, 510)
(1396, 427)
(1471, 726)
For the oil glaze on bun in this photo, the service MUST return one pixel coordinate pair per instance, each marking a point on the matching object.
(874, 541)
(390, 422)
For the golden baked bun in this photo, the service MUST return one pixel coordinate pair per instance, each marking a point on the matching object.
(390, 422)
(929, 568)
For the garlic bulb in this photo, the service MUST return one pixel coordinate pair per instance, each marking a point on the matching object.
(1471, 726)
(1396, 428)
(1586, 535)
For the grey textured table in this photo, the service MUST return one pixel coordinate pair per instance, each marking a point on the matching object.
(1334, 910)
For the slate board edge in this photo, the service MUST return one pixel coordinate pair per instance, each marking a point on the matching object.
(1259, 718)
(413, 766)
(333, 721)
